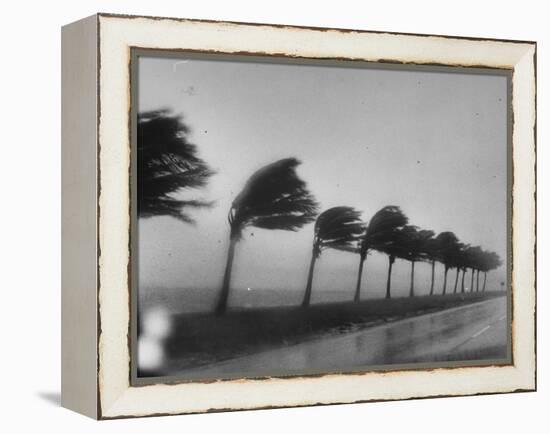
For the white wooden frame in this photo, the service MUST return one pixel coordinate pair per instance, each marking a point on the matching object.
(96, 218)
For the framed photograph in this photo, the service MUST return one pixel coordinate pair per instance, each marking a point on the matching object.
(262, 216)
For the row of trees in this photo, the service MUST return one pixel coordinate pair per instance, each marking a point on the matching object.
(388, 232)
(276, 198)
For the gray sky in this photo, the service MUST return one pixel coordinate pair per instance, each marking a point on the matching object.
(432, 143)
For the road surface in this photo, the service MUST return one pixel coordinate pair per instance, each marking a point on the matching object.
(475, 331)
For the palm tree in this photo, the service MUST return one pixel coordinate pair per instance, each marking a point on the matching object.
(456, 279)
(449, 248)
(336, 228)
(416, 248)
(394, 247)
(463, 262)
(391, 260)
(433, 254)
(463, 276)
(469, 260)
(274, 197)
(457, 263)
(167, 164)
(379, 231)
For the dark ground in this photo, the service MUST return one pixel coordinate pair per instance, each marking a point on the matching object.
(202, 339)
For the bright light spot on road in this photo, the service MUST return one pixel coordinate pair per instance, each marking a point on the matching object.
(150, 353)
(156, 323)
(248, 289)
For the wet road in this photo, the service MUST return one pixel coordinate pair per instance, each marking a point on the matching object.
(473, 332)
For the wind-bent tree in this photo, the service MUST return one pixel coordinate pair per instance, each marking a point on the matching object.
(380, 231)
(392, 254)
(457, 263)
(274, 197)
(449, 248)
(433, 252)
(463, 276)
(336, 228)
(167, 164)
(456, 280)
(462, 264)
(395, 247)
(415, 248)
(469, 261)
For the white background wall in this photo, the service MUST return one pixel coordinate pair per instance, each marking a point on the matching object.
(30, 217)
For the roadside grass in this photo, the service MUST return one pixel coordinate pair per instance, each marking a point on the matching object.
(200, 339)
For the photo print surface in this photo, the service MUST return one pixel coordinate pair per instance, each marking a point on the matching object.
(296, 218)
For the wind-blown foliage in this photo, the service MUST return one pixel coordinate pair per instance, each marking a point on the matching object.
(416, 247)
(449, 253)
(167, 164)
(433, 252)
(458, 263)
(337, 228)
(462, 263)
(466, 261)
(380, 232)
(274, 197)
(394, 247)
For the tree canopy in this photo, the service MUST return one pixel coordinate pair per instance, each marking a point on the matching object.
(274, 197)
(167, 164)
(383, 229)
(338, 228)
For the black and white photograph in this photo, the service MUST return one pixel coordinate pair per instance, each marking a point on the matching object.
(275, 216)
(299, 217)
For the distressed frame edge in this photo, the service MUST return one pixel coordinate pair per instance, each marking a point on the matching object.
(305, 27)
(79, 141)
(530, 49)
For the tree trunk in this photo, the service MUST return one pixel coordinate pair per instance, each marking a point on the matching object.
(224, 295)
(463, 275)
(477, 281)
(388, 284)
(445, 280)
(433, 274)
(357, 297)
(484, 280)
(411, 292)
(472, 282)
(307, 295)
(456, 279)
